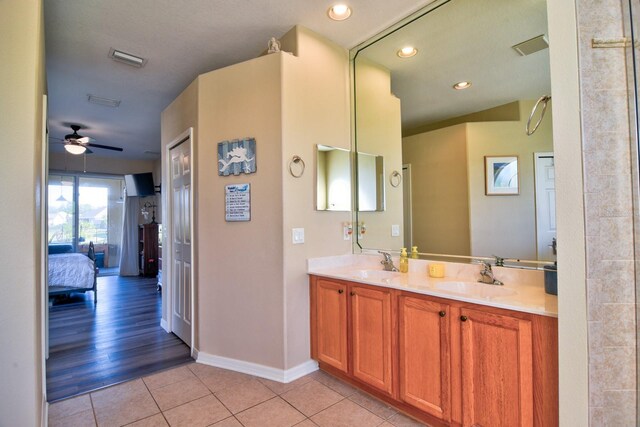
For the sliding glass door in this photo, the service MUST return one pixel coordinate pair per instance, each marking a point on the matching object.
(85, 209)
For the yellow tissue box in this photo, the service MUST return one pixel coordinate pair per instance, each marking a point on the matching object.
(436, 270)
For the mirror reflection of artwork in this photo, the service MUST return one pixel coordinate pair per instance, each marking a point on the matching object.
(501, 176)
(236, 157)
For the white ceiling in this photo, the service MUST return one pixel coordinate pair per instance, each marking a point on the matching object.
(180, 39)
(465, 40)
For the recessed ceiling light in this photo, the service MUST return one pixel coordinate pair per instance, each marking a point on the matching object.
(462, 85)
(407, 52)
(339, 12)
(127, 58)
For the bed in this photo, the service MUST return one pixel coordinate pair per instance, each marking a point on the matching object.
(73, 272)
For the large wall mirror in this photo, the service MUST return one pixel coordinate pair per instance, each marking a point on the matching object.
(454, 146)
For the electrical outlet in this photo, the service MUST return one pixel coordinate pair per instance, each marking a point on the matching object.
(346, 232)
(297, 236)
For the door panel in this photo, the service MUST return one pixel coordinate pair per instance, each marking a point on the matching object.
(502, 346)
(371, 336)
(181, 241)
(425, 355)
(331, 303)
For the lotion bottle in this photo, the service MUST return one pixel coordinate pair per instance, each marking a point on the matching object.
(404, 261)
(414, 252)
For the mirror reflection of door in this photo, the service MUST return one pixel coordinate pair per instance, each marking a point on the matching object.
(545, 205)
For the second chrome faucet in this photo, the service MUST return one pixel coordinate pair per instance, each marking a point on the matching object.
(487, 276)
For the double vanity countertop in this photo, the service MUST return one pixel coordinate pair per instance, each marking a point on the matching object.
(523, 290)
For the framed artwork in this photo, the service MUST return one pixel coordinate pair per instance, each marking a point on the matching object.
(501, 176)
(236, 157)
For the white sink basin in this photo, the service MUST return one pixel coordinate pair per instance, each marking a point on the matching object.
(375, 274)
(474, 289)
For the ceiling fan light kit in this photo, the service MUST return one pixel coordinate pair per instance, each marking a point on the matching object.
(75, 148)
(78, 144)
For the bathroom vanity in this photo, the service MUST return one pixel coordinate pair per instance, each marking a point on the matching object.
(447, 351)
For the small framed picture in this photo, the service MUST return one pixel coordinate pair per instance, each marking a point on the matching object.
(501, 175)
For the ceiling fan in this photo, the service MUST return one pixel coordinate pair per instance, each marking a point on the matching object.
(75, 143)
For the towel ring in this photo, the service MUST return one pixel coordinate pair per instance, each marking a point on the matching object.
(544, 100)
(395, 179)
(295, 160)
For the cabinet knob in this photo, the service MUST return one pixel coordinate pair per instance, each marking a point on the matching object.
(442, 313)
(340, 291)
(352, 293)
(463, 318)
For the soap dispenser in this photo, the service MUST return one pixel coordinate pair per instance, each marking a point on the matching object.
(404, 261)
(414, 252)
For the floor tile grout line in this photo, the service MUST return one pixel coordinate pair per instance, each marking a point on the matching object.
(93, 410)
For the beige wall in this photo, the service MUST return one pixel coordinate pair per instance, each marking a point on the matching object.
(315, 110)
(439, 190)
(252, 291)
(379, 133)
(22, 85)
(240, 304)
(505, 225)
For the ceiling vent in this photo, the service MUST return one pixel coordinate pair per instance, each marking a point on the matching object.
(127, 58)
(532, 45)
(107, 102)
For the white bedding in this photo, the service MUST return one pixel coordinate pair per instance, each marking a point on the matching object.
(71, 270)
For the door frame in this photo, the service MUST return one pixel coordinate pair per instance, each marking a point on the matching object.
(167, 230)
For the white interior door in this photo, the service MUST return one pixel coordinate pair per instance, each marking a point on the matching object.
(545, 205)
(180, 235)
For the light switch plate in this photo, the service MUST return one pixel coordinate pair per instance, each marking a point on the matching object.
(297, 236)
(395, 230)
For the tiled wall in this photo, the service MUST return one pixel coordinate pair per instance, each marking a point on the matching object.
(609, 216)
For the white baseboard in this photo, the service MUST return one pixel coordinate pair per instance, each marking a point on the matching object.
(262, 371)
(164, 325)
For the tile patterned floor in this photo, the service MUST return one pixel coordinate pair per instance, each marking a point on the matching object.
(200, 395)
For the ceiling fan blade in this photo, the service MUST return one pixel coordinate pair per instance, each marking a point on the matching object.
(106, 147)
(89, 151)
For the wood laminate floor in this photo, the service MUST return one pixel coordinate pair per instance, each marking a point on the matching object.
(117, 339)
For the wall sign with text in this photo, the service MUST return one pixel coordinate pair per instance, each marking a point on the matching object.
(237, 202)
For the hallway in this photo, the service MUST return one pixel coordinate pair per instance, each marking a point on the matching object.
(117, 339)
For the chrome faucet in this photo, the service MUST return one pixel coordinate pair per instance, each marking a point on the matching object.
(387, 262)
(486, 275)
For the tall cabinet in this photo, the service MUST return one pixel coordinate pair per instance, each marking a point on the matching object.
(148, 249)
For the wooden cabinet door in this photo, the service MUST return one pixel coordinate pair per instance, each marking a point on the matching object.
(425, 355)
(331, 323)
(371, 328)
(497, 370)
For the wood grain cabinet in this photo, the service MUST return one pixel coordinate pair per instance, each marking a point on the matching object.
(371, 336)
(331, 323)
(443, 361)
(497, 369)
(425, 355)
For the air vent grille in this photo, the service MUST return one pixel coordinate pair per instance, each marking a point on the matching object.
(533, 45)
(107, 102)
(127, 58)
